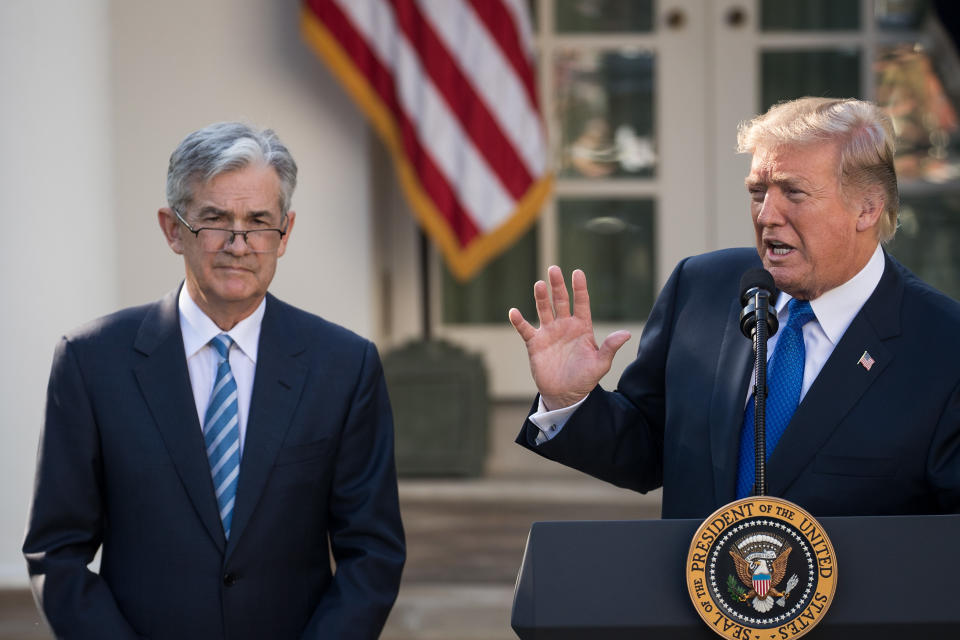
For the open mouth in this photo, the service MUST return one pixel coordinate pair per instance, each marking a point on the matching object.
(778, 248)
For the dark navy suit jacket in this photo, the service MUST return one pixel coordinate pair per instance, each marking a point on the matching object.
(862, 442)
(122, 466)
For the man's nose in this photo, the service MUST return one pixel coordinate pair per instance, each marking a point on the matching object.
(237, 245)
(771, 210)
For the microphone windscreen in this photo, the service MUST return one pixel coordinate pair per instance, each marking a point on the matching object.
(756, 279)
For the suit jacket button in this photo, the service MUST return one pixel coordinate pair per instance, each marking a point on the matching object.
(229, 579)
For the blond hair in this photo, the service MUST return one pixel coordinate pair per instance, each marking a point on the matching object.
(862, 130)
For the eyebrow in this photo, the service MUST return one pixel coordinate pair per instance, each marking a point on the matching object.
(780, 179)
(228, 214)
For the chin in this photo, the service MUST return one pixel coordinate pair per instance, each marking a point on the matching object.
(236, 293)
(782, 278)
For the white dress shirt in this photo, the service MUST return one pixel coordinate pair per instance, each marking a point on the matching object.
(835, 310)
(202, 359)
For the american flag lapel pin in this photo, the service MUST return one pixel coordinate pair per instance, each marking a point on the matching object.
(866, 360)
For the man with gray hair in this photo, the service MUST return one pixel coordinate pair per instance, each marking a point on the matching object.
(217, 446)
(863, 416)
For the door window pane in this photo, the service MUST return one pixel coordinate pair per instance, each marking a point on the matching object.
(924, 116)
(613, 241)
(786, 75)
(603, 16)
(925, 119)
(604, 105)
(505, 282)
(809, 15)
(928, 237)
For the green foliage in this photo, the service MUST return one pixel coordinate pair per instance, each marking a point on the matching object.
(735, 589)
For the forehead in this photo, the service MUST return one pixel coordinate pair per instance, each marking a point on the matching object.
(251, 188)
(816, 163)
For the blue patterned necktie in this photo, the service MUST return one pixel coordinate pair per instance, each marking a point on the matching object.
(221, 433)
(783, 389)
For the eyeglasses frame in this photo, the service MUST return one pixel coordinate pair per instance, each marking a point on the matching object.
(234, 232)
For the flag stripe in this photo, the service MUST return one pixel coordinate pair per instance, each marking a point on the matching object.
(438, 132)
(467, 142)
(434, 183)
(461, 98)
(518, 9)
(500, 24)
(367, 93)
(499, 92)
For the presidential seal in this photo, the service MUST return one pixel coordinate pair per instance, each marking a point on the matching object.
(761, 568)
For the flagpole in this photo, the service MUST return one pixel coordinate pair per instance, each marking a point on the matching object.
(425, 284)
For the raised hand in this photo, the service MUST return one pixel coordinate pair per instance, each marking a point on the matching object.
(564, 357)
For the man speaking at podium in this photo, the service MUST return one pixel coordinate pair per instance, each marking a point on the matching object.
(219, 445)
(864, 372)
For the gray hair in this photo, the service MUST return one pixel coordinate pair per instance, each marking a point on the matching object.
(863, 131)
(222, 147)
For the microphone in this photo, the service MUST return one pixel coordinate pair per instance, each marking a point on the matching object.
(758, 321)
(756, 291)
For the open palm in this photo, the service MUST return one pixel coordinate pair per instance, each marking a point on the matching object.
(565, 360)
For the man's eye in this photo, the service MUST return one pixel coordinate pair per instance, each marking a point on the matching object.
(757, 195)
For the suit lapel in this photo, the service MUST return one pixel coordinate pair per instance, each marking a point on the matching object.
(840, 384)
(732, 378)
(165, 383)
(277, 385)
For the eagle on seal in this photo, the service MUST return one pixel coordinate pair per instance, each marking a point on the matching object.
(761, 573)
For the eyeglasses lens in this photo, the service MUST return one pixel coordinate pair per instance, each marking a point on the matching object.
(258, 240)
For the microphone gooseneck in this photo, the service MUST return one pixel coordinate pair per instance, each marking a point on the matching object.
(758, 321)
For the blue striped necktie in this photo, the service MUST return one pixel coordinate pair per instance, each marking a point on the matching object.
(783, 387)
(221, 433)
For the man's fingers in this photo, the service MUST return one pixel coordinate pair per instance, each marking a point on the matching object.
(542, 299)
(581, 299)
(561, 302)
(524, 328)
(613, 343)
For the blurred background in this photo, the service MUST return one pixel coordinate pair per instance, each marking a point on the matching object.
(640, 100)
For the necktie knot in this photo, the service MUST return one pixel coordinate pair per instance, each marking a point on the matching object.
(222, 344)
(800, 313)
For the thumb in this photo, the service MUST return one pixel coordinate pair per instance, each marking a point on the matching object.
(613, 343)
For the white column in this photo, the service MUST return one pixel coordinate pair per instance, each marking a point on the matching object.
(57, 236)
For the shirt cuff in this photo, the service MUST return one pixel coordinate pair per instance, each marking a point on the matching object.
(550, 423)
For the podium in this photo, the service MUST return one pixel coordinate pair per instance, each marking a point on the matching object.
(897, 577)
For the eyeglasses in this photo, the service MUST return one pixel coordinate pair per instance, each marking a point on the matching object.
(215, 239)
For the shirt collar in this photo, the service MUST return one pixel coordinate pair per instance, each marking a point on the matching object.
(198, 329)
(837, 308)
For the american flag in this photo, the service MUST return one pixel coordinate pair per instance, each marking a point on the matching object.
(866, 361)
(449, 87)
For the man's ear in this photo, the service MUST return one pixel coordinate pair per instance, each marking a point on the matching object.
(872, 204)
(291, 218)
(172, 229)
